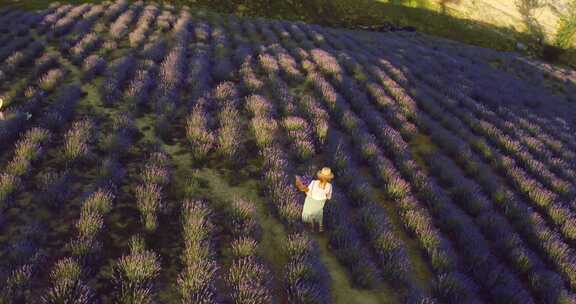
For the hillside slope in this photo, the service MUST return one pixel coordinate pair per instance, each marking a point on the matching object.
(501, 25)
(150, 152)
(506, 13)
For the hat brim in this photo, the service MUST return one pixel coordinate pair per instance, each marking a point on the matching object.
(329, 176)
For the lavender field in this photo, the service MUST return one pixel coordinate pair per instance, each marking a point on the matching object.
(148, 155)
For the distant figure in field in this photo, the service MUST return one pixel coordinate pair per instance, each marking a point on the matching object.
(317, 193)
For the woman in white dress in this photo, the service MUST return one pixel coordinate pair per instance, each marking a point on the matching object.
(317, 193)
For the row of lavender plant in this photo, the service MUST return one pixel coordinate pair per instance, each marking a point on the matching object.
(149, 194)
(305, 276)
(172, 75)
(134, 273)
(228, 139)
(85, 248)
(416, 219)
(455, 148)
(247, 274)
(200, 124)
(198, 130)
(115, 10)
(197, 281)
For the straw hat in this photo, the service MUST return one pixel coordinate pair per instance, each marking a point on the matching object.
(325, 173)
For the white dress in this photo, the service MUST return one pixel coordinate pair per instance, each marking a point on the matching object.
(315, 199)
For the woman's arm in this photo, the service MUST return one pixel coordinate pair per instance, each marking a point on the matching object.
(300, 186)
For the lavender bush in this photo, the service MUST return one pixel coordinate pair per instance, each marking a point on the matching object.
(196, 283)
(134, 274)
(198, 133)
(229, 136)
(67, 285)
(77, 141)
(51, 79)
(138, 91)
(117, 76)
(148, 201)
